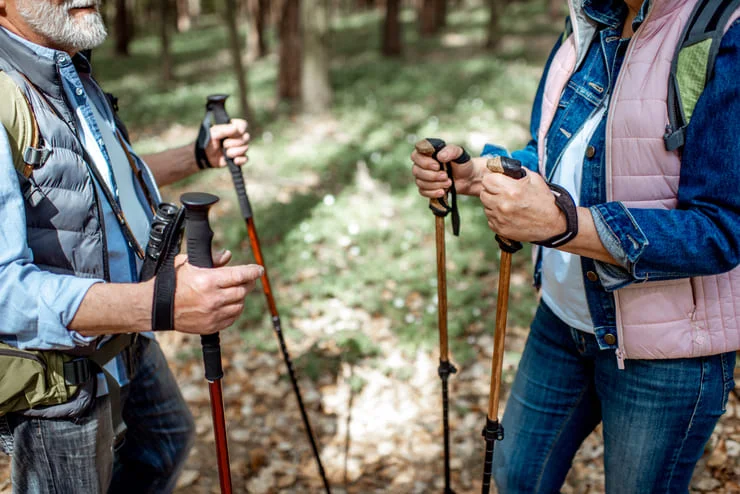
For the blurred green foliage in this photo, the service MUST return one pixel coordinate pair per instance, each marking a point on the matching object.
(358, 233)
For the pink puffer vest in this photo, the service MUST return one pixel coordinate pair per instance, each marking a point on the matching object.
(663, 319)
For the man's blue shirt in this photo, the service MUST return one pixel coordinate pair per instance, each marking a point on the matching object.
(38, 305)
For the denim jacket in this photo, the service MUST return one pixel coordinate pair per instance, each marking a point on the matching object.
(649, 243)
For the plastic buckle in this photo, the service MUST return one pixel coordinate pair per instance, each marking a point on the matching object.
(77, 371)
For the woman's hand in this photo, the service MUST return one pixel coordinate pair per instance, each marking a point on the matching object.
(523, 209)
(433, 182)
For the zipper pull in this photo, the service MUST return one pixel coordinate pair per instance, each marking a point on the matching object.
(620, 359)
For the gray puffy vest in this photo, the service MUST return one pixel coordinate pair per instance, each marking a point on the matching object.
(63, 213)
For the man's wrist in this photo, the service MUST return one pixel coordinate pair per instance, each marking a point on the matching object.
(111, 308)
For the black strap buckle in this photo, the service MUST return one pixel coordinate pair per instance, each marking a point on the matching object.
(77, 371)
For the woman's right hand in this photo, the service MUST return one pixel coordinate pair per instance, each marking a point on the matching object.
(433, 182)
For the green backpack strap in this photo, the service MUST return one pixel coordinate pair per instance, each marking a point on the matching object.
(19, 122)
(567, 31)
(693, 64)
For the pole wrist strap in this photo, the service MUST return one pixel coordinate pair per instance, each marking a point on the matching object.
(201, 143)
(567, 205)
(163, 303)
(452, 207)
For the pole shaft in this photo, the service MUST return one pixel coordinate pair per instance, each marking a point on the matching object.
(487, 467)
(445, 368)
(446, 423)
(219, 432)
(254, 242)
(441, 288)
(266, 287)
(502, 306)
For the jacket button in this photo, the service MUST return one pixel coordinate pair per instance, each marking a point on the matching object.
(592, 276)
(610, 339)
(590, 152)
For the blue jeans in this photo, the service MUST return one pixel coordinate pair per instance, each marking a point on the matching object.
(64, 456)
(657, 415)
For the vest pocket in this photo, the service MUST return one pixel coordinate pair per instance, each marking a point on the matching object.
(657, 318)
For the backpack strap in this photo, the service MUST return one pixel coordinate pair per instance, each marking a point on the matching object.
(20, 123)
(567, 31)
(693, 64)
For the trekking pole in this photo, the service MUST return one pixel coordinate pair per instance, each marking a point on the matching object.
(215, 106)
(493, 430)
(199, 236)
(440, 208)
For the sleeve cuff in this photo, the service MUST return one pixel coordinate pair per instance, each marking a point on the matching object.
(492, 150)
(623, 239)
(58, 304)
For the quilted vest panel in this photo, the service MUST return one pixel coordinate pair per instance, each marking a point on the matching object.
(665, 319)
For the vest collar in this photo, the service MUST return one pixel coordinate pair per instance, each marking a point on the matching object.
(588, 15)
(42, 71)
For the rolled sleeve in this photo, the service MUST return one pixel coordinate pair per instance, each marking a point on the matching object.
(526, 156)
(37, 306)
(623, 239)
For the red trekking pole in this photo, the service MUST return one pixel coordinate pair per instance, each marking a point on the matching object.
(199, 236)
(215, 107)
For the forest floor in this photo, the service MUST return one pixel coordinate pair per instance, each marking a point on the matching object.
(349, 246)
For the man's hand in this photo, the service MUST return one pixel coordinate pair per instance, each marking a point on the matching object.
(433, 182)
(235, 142)
(523, 209)
(210, 300)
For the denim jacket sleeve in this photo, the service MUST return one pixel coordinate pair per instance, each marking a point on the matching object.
(528, 154)
(37, 306)
(702, 235)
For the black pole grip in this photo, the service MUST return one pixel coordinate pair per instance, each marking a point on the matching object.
(199, 233)
(216, 106)
(211, 345)
(199, 237)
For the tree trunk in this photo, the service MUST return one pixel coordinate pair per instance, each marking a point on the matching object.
(122, 28)
(235, 45)
(289, 71)
(440, 15)
(392, 29)
(164, 37)
(315, 83)
(554, 9)
(428, 18)
(494, 33)
(256, 43)
(195, 9)
(184, 20)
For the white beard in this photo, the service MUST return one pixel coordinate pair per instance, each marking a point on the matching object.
(55, 23)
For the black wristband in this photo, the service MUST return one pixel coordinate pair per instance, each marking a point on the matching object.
(163, 304)
(567, 205)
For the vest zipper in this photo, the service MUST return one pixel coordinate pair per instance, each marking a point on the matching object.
(620, 352)
(130, 237)
(101, 221)
(22, 354)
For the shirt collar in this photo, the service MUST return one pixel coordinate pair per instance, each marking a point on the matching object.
(80, 60)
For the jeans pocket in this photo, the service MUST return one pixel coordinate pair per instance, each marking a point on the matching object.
(727, 361)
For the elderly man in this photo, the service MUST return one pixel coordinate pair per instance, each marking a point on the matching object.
(77, 204)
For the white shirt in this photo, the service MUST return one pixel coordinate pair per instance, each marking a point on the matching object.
(562, 277)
